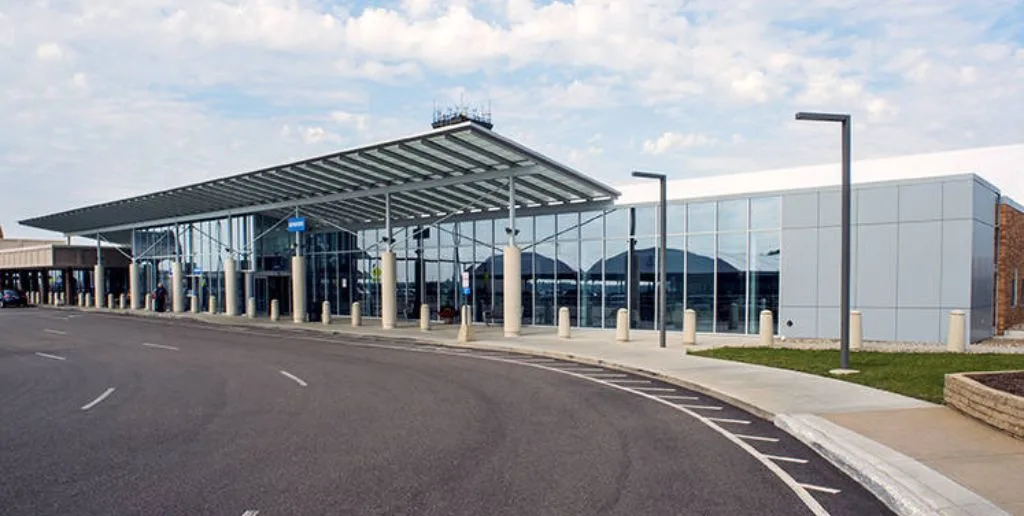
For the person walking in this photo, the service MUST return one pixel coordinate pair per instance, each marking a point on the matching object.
(160, 298)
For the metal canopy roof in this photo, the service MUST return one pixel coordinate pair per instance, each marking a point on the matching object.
(458, 170)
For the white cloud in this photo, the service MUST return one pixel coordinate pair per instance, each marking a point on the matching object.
(671, 141)
(358, 121)
(49, 52)
(80, 81)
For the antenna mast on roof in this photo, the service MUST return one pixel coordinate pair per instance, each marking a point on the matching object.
(461, 112)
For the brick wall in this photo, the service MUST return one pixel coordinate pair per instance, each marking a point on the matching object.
(1011, 258)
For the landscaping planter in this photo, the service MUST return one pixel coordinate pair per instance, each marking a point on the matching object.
(996, 398)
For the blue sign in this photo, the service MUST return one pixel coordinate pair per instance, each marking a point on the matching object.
(296, 224)
(465, 291)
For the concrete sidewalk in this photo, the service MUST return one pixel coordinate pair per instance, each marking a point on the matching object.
(918, 457)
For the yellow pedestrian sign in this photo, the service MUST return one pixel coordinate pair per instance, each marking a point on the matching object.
(375, 273)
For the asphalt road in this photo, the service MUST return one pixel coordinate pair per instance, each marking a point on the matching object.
(103, 414)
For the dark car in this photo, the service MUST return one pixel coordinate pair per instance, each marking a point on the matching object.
(12, 298)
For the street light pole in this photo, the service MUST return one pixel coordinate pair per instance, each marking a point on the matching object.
(844, 290)
(662, 233)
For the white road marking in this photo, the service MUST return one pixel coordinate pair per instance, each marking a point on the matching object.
(618, 382)
(607, 375)
(725, 420)
(700, 407)
(250, 512)
(102, 397)
(786, 459)
(293, 377)
(653, 389)
(161, 346)
(813, 487)
(757, 438)
(582, 369)
(55, 332)
(47, 355)
(676, 397)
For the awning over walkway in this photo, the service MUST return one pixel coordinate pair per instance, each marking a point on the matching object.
(457, 170)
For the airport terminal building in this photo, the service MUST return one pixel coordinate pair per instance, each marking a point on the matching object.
(461, 215)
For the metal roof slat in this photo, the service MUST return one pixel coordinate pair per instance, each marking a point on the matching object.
(426, 170)
(471, 147)
(475, 163)
(349, 168)
(356, 181)
(414, 173)
(333, 182)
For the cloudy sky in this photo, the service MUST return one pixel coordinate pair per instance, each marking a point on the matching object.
(102, 99)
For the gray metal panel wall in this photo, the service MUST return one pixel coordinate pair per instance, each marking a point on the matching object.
(920, 249)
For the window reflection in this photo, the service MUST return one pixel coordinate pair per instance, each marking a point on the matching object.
(764, 278)
(700, 279)
(700, 217)
(731, 283)
(765, 213)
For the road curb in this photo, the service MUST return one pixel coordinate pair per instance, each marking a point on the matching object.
(905, 485)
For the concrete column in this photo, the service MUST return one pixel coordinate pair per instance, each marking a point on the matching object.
(466, 333)
(512, 281)
(325, 313)
(99, 284)
(622, 325)
(177, 288)
(425, 317)
(213, 305)
(563, 323)
(388, 291)
(275, 310)
(357, 315)
(689, 327)
(298, 288)
(110, 301)
(956, 341)
(122, 301)
(230, 287)
(133, 286)
(856, 330)
(250, 308)
(766, 328)
(193, 304)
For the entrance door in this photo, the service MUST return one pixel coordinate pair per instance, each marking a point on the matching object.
(280, 288)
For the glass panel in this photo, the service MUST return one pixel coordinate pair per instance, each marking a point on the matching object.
(732, 215)
(592, 227)
(615, 279)
(523, 224)
(643, 277)
(676, 218)
(617, 223)
(644, 221)
(542, 285)
(592, 281)
(732, 267)
(545, 228)
(674, 270)
(568, 224)
(567, 275)
(764, 277)
(700, 279)
(484, 257)
(764, 213)
(700, 218)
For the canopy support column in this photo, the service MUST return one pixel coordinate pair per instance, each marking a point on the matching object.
(512, 270)
(389, 285)
(99, 276)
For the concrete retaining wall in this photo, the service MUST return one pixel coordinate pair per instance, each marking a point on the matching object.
(994, 407)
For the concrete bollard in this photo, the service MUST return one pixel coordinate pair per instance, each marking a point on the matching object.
(193, 304)
(466, 326)
(424, 317)
(856, 330)
(149, 303)
(766, 328)
(79, 299)
(622, 325)
(49, 298)
(357, 315)
(88, 300)
(690, 327)
(275, 310)
(325, 313)
(250, 308)
(110, 301)
(955, 340)
(563, 323)
(212, 308)
(122, 301)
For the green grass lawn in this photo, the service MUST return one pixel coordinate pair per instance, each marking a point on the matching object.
(919, 375)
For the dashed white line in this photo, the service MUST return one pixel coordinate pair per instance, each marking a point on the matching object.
(55, 332)
(653, 389)
(96, 401)
(607, 375)
(619, 382)
(700, 407)
(582, 369)
(726, 420)
(823, 489)
(293, 377)
(677, 397)
(47, 355)
(757, 438)
(160, 346)
(785, 459)
(250, 512)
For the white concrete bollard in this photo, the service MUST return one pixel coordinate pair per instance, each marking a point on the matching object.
(563, 323)
(122, 301)
(325, 313)
(79, 299)
(466, 326)
(425, 317)
(213, 305)
(275, 310)
(357, 315)
(622, 325)
(690, 327)
(956, 341)
(193, 304)
(88, 300)
(766, 328)
(50, 298)
(856, 330)
(110, 301)
(149, 303)
(250, 308)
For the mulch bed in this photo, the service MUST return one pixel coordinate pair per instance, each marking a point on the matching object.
(1012, 383)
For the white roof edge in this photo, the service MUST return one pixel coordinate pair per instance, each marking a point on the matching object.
(1002, 166)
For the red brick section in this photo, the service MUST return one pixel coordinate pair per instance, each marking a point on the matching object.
(1011, 257)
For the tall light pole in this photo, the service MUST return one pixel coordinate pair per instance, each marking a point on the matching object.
(844, 290)
(662, 231)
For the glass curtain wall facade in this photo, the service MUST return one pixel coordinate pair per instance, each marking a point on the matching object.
(722, 261)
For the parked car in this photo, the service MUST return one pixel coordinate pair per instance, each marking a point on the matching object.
(12, 298)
